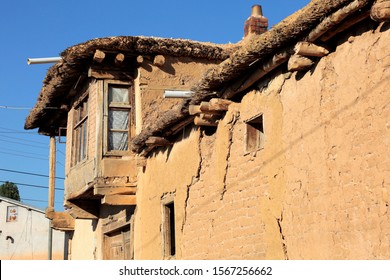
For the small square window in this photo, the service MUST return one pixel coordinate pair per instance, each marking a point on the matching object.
(255, 134)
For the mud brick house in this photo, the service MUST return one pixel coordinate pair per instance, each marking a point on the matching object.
(280, 152)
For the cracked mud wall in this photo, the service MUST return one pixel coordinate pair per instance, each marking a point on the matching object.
(317, 189)
(336, 140)
(169, 171)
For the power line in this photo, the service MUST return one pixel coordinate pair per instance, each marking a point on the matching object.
(33, 186)
(29, 173)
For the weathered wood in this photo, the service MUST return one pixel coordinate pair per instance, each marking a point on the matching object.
(119, 58)
(119, 200)
(108, 190)
(213, 106)
(310, 49)
(344, 26)
(298, 63)
(140, 59)
(210, 116)
(52, 171)
(248, 81)
(99, 56)
(159, 60)
(380, 11)
(157, 141)
(218, 104)
(62, 221)
(84, 212)
(204, 106)
(194, 109)
(199, 121)
(334, 19)
(104, 74)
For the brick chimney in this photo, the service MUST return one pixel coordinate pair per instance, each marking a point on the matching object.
(256, 23)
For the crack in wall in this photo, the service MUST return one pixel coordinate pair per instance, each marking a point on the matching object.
(282, 237)
(231, 123)
(195, 179)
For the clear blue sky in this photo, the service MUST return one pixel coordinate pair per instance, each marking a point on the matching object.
(44, 28)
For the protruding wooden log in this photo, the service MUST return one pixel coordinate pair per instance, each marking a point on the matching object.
(380, 11)
(194, 109)
(204, 122)
(310, 49)
(218, 104)
(298, 63)
(140, 59)
(204, 106)
(119, 200)
(157, 141)
(119, 58)
(159, 60)
(99, 56)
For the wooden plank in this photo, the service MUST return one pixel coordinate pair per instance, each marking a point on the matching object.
(119, 200)
(104, 74)
(112, 190)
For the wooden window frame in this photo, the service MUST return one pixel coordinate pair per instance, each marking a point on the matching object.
(117, 106)
(255, 136)
(168, 228)
(80, 130)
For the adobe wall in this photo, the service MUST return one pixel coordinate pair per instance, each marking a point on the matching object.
(317, 190)
(178, 73)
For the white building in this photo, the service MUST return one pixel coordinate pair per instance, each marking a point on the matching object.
(24, 233)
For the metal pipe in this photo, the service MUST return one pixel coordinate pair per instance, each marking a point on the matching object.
(43, 60)
(177, 94)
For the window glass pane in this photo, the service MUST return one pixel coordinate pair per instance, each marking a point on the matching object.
(118, 94)
(118, 141)
(118, 119)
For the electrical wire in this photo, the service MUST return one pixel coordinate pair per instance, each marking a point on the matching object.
(29, 173)
(33, 186)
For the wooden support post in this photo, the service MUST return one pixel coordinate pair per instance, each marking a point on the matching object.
(298, 63)
(157, 141)
(99, 56)
(159, 60)
(380, 11)
(310, 49)
(119, 200)
(119, 58)
(52, 171)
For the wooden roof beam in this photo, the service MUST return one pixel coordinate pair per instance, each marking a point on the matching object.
(99, 56)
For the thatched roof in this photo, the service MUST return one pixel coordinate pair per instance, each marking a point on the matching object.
(251, 53)
(62, 76)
